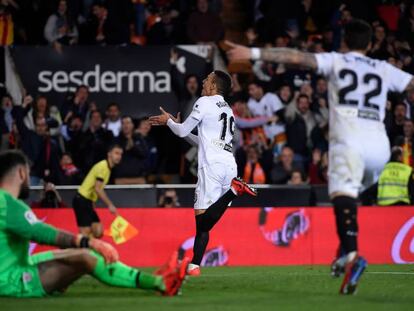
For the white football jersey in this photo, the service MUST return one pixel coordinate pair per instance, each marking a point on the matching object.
(267, 106)
(358, 87)
(215, 130)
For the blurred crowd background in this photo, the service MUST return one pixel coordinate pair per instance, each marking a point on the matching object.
(281, 112)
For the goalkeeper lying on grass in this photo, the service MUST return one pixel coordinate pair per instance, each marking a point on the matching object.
(45, 273)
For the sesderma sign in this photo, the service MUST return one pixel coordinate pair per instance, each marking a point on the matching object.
(107, 81)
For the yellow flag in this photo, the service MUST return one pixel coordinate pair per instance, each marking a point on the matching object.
(121, 230)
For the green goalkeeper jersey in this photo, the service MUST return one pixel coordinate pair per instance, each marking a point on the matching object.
(18, 226)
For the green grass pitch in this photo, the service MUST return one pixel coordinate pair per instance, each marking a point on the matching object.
(383, 287)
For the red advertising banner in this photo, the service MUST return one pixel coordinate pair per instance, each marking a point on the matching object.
(255, 236)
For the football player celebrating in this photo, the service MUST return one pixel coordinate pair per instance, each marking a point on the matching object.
(50, 272)
(217, 184)
(358, 144)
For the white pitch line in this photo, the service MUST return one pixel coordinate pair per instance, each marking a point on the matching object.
(306, 274)
(390, 272)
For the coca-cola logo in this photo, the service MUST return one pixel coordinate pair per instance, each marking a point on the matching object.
(295, 225)
(402, 250)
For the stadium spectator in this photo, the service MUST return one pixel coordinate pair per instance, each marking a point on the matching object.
(143, 129)
(42, 150)
(321, 91)
(409, 104)
(299, 126)
(113, 119)
(282, 170)
(50, 198)
(93, 143)
(187, 88)
(396, 124)
(72, 132)
(318, 168)
(285, 94)
(109, 24)
(204, 26)
(249, 129)
(189, 95)
(76, 105)
(319, 137)
(69, 174)
(133, 167)
(60, 29)
(168, 198)
(165, 31)
(251, 36)
(379, 44)
(406, 24)
(406, 142)
(297, 178)
(41, 109)
(254, 167)
(263, 104)
(139, 7)
(6, 121)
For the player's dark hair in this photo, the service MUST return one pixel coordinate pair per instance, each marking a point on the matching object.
(9, 160)
(113, 146)
(357, 34)
(223, 82)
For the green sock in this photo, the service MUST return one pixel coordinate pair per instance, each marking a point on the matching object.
(120, 275)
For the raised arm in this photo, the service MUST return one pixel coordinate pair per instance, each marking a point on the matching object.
(276, 55)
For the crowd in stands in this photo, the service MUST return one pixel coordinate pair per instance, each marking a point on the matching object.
(63, 144)
(294, 148)
(110, 22)
(281, 113)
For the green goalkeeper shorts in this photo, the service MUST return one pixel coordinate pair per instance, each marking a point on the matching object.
(24, 281)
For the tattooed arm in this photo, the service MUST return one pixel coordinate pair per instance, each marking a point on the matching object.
(275, 55)
(289, 57)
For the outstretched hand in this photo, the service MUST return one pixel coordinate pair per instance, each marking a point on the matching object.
(162, 118)
(237, 52)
